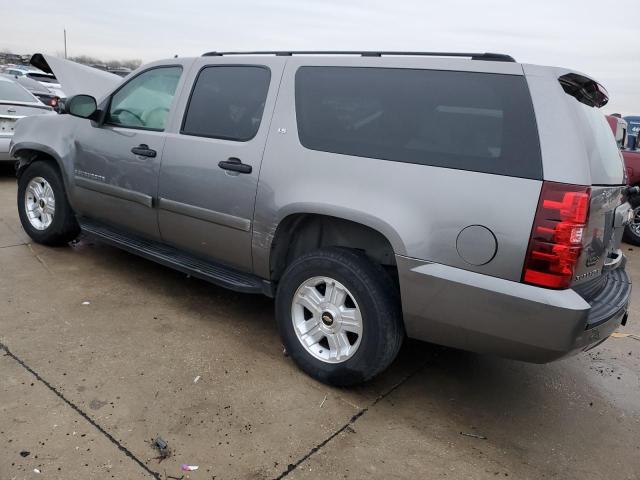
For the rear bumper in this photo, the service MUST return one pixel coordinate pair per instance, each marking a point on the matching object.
(475, 312)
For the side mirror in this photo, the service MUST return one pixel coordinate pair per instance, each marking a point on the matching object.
(83, 106)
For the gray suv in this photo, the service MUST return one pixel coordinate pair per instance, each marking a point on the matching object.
(466, 200)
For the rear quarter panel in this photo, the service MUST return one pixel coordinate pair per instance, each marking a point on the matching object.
(419, 209)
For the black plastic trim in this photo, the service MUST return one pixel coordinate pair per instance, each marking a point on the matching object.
(611, 300)
(168, 256)
(494, 57)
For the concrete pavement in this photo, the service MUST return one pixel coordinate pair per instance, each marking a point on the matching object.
(100, 349)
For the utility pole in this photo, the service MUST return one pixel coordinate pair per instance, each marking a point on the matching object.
(65, 43)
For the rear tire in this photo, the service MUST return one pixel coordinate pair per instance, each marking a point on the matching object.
(339, 316)
(43, 207)
(632, 231)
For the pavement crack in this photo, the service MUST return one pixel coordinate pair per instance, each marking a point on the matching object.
(40, 259)
(14, 245)
(100, 429)
(347, 425)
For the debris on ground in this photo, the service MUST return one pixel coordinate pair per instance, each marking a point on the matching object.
(35, 470)
(25, 453)
(323, 400)
(189, 468)
(86, 303)
(163, 448)
(284, 351)
(473, 435)
(195, 380)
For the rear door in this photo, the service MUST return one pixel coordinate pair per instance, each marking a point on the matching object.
(211, 161)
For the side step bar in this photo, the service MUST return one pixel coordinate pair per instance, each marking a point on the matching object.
(168, 256)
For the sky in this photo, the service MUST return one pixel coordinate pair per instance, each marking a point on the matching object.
(599, 38)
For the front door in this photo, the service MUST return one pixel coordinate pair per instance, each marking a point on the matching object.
(116, 164)
(210, 165)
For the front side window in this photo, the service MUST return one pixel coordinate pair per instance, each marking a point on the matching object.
(227, 102)
(145, 100)
(480, 122)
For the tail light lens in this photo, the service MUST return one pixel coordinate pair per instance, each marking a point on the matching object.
(53, 101)
(556, 238)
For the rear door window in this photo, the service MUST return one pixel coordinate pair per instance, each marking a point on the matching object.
(227, 102)
(465, 120)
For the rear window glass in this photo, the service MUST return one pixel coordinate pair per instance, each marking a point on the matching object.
(12, 92)
(227, 102)
(43, 77)
(464, 120)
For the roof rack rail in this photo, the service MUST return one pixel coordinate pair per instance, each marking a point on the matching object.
(495, 57)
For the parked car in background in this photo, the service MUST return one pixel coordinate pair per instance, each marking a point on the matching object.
(619, 128)
(37, 89)
(15, 103)
(630, 150)
(633, 129)
(49, 81)
(339, 184)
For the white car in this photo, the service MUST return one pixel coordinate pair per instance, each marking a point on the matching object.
(47, 80)
(15, 103)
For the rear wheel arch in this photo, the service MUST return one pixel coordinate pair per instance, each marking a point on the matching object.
(301, 233)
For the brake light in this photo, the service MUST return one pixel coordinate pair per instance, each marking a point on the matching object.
(556, 237)
(53, 101)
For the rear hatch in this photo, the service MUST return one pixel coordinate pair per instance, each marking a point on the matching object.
(608, 209)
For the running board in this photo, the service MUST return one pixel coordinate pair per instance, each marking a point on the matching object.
(178, 260)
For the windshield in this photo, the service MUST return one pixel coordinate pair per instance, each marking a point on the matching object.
(12, 92)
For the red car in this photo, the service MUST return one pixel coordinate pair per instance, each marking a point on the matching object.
(632, 166)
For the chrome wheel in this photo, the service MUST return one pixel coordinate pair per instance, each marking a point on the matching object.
(327, 319)
(39, 203)
(634, 226)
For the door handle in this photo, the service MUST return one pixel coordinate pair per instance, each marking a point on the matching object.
(235, 165)
(143, 150)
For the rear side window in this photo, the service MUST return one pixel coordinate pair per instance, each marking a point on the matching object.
(227, 102)
(470, 121)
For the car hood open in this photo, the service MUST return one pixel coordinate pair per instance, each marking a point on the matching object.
(76, 78)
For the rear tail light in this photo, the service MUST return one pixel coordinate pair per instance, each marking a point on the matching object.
(556, 238)
(53, 101)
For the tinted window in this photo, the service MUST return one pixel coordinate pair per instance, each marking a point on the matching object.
(144, 101)
(469, 121)
(227, 102)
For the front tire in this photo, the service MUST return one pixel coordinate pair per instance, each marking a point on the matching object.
(339, 316)
(43, 207)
